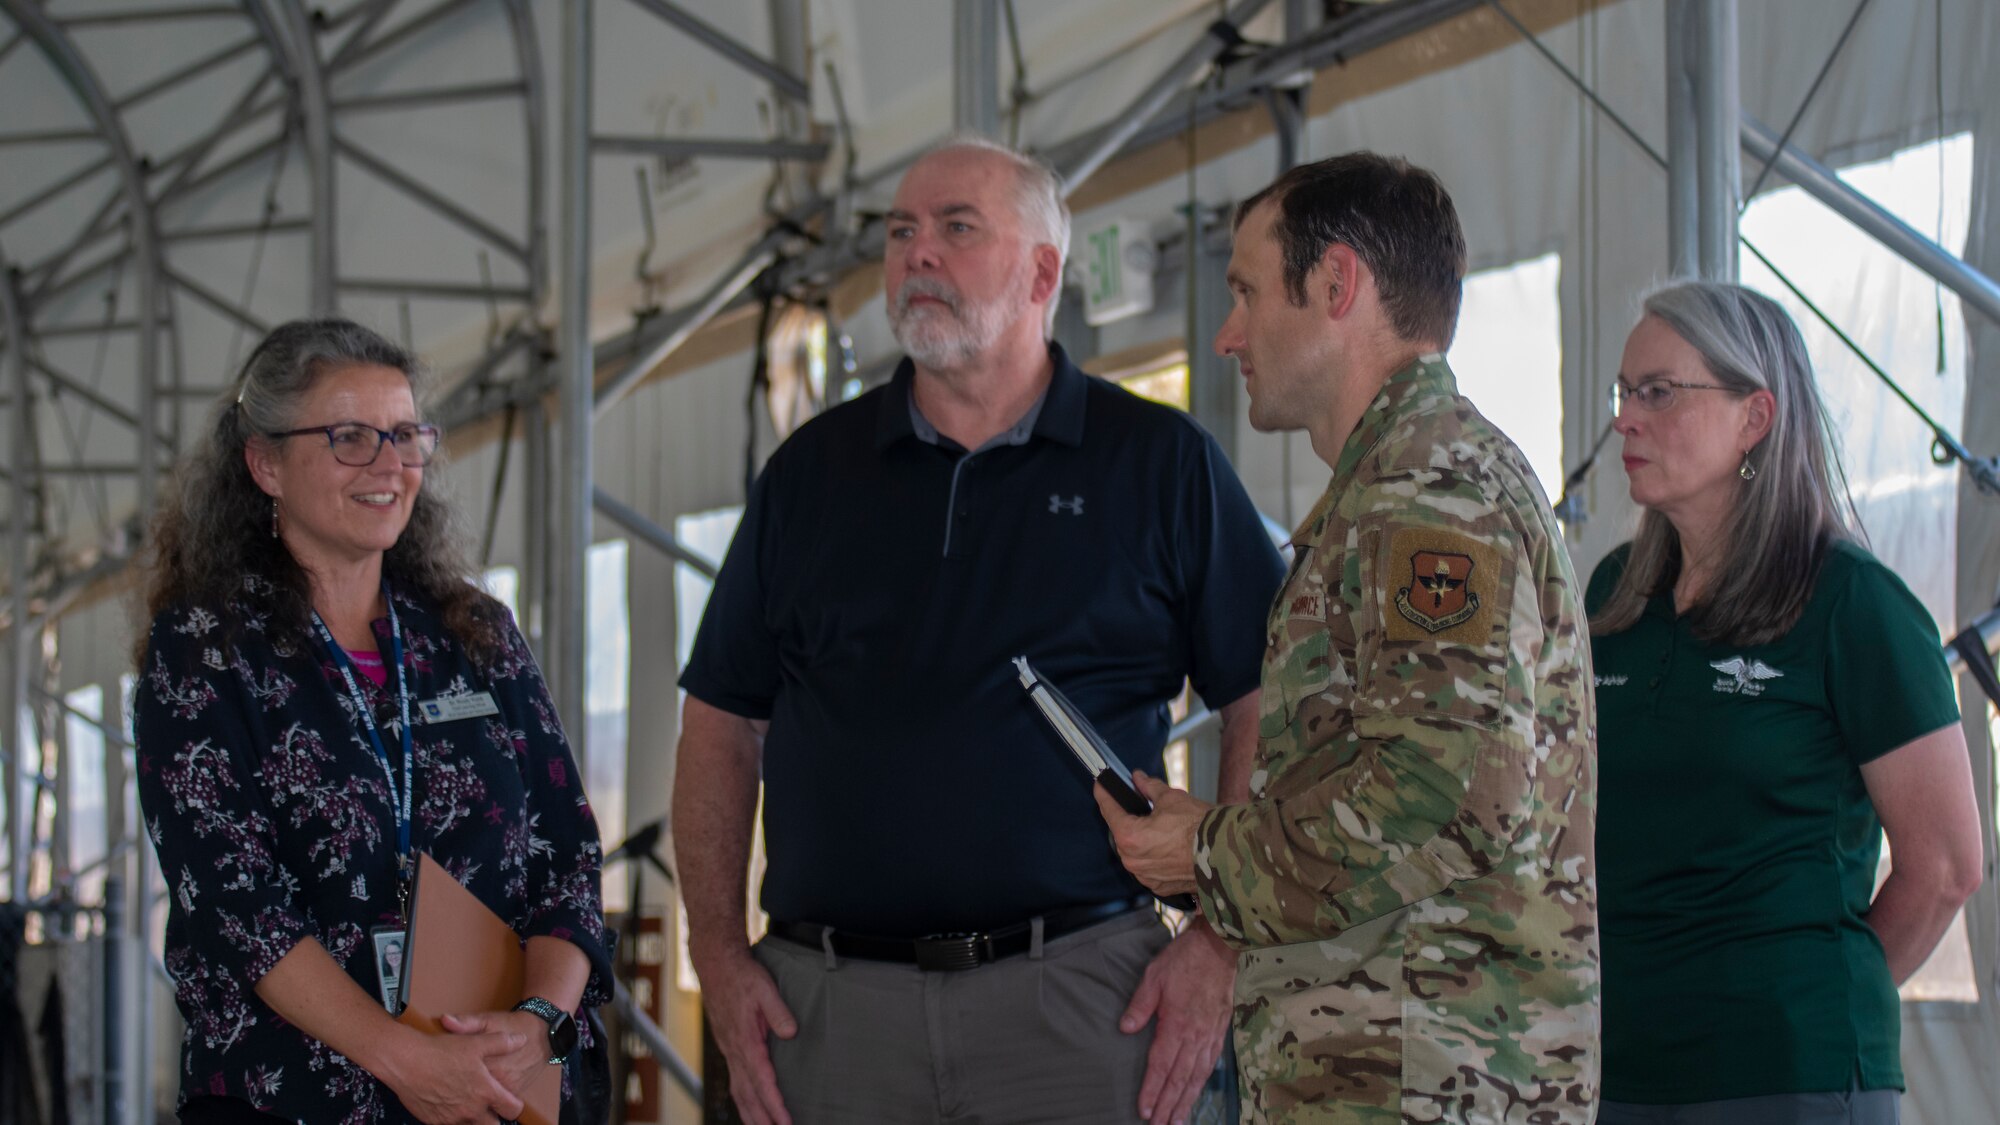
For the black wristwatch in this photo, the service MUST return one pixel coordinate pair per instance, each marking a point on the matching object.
(562, 1029)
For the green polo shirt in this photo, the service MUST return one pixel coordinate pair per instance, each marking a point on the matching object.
(1736, 844)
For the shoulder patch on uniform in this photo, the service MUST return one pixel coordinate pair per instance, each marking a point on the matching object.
(1439, 585)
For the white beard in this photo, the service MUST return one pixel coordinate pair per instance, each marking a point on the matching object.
(948, 337)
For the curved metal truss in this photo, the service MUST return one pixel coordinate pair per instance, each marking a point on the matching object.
(181, 176)
(140, 276)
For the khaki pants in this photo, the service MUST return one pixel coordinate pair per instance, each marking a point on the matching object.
(1030, 1038)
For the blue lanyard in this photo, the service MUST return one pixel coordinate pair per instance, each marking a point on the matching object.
(399, 797)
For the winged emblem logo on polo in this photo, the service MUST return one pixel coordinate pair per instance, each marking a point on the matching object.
(1745, 676)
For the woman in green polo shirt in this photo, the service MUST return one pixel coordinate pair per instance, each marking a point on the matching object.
(1771, 701)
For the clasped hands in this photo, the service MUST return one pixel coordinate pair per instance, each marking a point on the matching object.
(479, 1072)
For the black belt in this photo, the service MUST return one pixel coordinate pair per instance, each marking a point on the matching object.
(953, 952)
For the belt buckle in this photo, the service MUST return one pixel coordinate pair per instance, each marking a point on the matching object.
(950, 953)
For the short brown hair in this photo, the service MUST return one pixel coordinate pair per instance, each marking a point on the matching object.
(1397, 218)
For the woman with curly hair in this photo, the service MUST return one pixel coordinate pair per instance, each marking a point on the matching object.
(323, 694)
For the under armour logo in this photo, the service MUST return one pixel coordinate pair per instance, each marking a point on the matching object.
(1074, 505)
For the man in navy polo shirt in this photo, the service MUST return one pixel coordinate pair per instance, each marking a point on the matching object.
(991, 501)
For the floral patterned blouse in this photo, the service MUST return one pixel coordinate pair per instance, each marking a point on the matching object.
(265, 799)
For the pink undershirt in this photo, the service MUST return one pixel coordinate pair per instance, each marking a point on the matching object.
(370, 665)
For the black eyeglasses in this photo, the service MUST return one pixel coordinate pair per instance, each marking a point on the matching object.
(358, 444)
(1656, 394)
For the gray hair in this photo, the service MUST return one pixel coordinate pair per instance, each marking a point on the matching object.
(1795, 507)
(212, 542)
(286, 364)
(1038, 201)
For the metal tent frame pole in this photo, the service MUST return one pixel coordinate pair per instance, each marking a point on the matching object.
(1683, 187)
(13, 692)
(1718, 105)
(1173, 80)
(1817, 180)
(142, 235)
(975, 66)
(1148, 119)
(655, 536)
(1979, 291)
(564, 626)
(1704, 165)
(316, 122)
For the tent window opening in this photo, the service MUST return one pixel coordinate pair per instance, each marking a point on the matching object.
(504, 584)
(1166, 381)
(1508, 358)
(1915, 329)
(1167, 385)
(607, 690)
(607, 696)
(85, 755)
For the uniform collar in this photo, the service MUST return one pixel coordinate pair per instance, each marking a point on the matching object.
(1410, 391)
(1057, 415)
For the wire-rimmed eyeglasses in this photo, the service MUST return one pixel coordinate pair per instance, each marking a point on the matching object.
(358, 444)
(1656, 394)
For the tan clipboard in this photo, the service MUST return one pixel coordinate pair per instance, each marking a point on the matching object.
(460, 958)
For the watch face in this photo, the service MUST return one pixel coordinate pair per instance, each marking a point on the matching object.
(562, 1037)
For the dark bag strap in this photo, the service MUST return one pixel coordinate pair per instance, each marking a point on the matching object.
(590, 1099)
(1972, 646)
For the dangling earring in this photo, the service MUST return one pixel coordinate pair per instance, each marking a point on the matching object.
(275, 523)
(1746, 470)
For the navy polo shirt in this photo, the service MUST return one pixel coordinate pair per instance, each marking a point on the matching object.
(878, 586)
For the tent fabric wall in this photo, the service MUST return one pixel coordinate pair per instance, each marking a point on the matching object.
(1955, 1054)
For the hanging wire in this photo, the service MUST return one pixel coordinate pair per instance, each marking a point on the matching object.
(1018, 93)
(848, 156)
(76, 433)
(642, 270)
(760, 378)
(1569, 507)
(493, 329)
(270, 215)
(1937, 287)
(499, 485)
(1798, 115)
(1945, 448)
(95, 489)
(49, 516)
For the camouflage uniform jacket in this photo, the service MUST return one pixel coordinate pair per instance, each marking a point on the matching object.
(1412, 882)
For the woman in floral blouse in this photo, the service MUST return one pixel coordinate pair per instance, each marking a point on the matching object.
(324, 694)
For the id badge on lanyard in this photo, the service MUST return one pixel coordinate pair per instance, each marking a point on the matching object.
(399, 795)
(389, 942)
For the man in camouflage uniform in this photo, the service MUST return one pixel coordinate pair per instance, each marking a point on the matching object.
(1411, 884)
